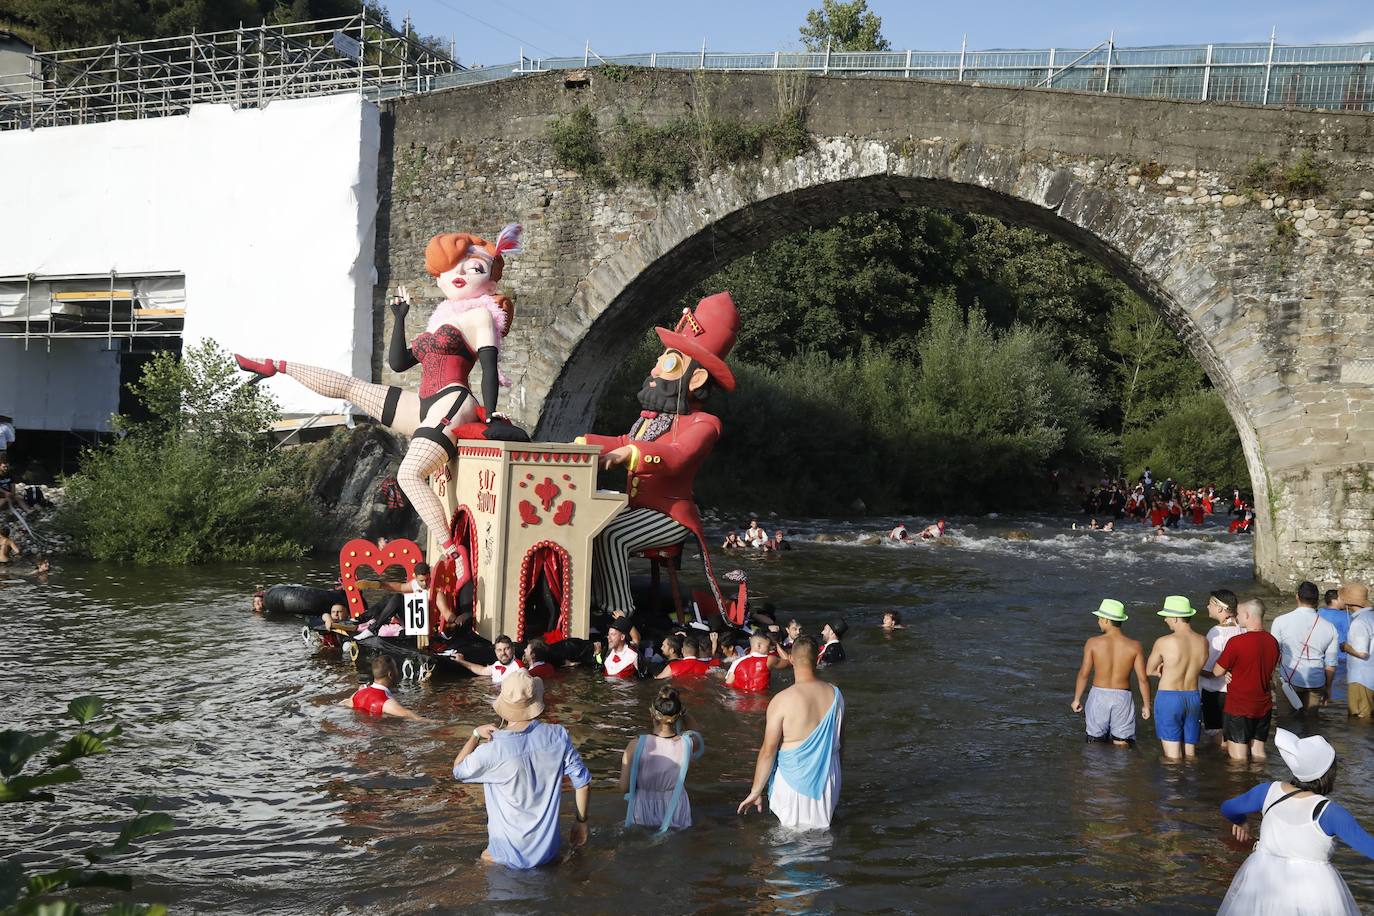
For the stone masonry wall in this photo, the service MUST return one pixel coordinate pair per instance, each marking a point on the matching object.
(1274, 295)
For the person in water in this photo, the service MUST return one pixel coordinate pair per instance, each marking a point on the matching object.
(621, 660)
(899, 533)
(798, 764)
(932, 532)
(539, 659)
(506, 663)
(685, 661)
(8, 548)
(1248, 663)
(832, 653)
(794, 629)
(1177, 660)
(1359, 646)
(375, 699)
(521, 768)
(259, 607)
(892, 621)
(1109, 660)
(1290, 870)
(653, 768)
(751, 673)
(1221, 607)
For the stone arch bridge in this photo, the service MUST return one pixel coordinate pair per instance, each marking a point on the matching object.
(1274, 295)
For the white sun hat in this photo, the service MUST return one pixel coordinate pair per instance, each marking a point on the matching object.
(1309, 758)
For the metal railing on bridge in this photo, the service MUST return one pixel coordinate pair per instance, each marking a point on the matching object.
(1335, 76)
(247, 67)
(250, 67)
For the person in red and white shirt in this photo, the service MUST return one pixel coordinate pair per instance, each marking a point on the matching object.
(375, 698)
(505, 663)
(752, 673)
(537, 657)
(685, 662)
(621, 660)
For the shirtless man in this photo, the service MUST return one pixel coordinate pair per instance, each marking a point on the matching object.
(8, 549)
(804, 736)
(1110, 659)
(1176, 660)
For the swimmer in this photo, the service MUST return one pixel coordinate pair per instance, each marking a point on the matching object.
(751, 673)
(687, 663)
(1176, 660)
(621, 660)
(375, 699)
(538, 659)
(892, 621)
(899, 533)
(8, 548)
(1110, 526)
(498, 670)
(832, 652)
(258, 607)
(1110, 659)
(931, 532)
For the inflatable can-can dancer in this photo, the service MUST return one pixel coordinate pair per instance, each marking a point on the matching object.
(466, 329)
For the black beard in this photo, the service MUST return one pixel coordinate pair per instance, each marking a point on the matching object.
(661, 395)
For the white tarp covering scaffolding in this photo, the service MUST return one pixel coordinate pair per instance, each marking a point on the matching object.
(267, 213)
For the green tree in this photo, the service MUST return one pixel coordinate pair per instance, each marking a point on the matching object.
(1194, 442)
(197, 481)
(845, 26)
(1153, 368)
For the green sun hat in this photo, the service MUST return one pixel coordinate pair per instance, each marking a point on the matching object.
(1111, 609)
(1177, 606)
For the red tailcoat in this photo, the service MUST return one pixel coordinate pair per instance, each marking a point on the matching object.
(662, 472)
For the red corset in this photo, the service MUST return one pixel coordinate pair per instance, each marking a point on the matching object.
(445, 359)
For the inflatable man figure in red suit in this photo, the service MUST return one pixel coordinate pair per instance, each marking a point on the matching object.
(664, 449)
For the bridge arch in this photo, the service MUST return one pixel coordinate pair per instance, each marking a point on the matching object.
(731, 215)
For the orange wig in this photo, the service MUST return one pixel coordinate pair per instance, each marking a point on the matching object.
(446, 249)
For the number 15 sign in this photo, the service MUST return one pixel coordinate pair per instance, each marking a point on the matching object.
(417, 614)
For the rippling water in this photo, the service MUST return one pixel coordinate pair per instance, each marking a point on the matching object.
(967, 786)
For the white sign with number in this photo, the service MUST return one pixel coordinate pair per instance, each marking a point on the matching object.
(417, 614)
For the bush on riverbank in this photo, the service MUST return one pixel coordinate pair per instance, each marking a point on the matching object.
(1195, 443)
(196, 481)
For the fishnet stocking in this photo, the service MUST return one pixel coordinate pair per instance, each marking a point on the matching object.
(424, 457)
(366, 396)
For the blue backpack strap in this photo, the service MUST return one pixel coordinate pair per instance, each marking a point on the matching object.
(692, 752)
(634, 782)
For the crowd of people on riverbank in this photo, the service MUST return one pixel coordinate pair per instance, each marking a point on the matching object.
(1164, 505)
(1227, 687)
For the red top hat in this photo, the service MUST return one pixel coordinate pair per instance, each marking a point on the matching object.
(706, 335)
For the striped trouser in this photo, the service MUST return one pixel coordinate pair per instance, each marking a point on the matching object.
(629, 532)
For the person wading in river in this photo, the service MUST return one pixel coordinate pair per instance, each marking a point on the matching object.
(1176, 660)
(521, 768)
(1110, 659)
(375, 699)
(803, 735)
(1221, 607)
(1248, 663)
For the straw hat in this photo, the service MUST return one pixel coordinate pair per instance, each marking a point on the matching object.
(522, 696)
(1355, 594)
(1309, 758)
(1177, 606)
(1111, 609)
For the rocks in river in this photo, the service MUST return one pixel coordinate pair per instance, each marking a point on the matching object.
(1017, 534)
(351, 466)
(826, 538)
(869, 540)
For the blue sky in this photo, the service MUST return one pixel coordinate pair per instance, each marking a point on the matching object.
(492, 32)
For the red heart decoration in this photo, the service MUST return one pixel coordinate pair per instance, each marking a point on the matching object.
(565, 513)
(528, 514)
(360, 553)
(546, 492)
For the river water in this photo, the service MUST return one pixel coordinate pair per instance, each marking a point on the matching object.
(967, 785)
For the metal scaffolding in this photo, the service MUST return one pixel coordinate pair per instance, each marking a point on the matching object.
(247, 67)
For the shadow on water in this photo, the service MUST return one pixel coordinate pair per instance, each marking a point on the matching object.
(967, 785)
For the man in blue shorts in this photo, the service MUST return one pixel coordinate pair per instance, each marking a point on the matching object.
(1177, 660)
